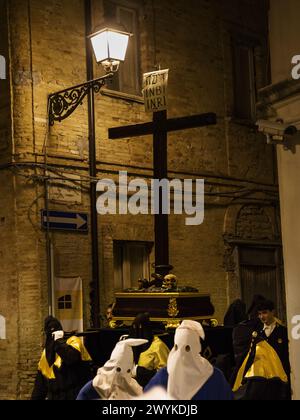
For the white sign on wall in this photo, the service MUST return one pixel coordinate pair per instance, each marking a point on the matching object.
(155, 87)
(2, 328)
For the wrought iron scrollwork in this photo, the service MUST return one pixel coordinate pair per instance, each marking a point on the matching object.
(62, 104)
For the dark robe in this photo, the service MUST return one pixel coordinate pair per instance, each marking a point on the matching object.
(280, 343)
(63, 380)
(242, 337)
(215, 389)
(261, 375)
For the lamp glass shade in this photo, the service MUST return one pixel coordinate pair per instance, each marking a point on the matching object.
(110, 45)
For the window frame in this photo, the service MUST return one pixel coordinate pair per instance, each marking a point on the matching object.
(66, 303)
(126, 282)
(251, 44)
(116, 87)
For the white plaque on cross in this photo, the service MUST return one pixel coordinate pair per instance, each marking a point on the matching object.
(155, 87)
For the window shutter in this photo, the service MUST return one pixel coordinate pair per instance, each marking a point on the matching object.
(127, 79)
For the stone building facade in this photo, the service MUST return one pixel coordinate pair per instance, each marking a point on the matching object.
(208, 47)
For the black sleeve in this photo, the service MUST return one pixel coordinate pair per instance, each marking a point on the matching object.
(283, 349)
(40, 388)
(241, 340)
(68, 354)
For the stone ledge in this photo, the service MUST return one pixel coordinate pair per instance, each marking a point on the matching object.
(124, 96)
(275, 93)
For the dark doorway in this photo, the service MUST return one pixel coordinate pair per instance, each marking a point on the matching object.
(261, 273)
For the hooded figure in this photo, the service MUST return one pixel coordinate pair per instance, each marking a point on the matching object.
(185, 361)
(242, 333)
(114, 380)
(235, 314)
(188, 375)
(51, 325)
(64, 366)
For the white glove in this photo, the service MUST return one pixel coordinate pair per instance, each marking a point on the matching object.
(58, 335)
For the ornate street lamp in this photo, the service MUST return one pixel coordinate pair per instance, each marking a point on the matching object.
(109, 47)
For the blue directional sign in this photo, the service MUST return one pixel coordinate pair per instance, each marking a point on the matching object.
(61, 220)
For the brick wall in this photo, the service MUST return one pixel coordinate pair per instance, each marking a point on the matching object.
(5, 140)
(9, 296)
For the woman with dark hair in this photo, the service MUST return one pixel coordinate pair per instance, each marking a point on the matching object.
(252, 311)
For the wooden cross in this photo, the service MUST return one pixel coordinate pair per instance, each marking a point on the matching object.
(160, 127)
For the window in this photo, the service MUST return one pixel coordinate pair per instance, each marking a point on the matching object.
(127, 79)
(131, 263)
(245, 89)
(65, 302)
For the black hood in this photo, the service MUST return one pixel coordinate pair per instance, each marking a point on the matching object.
(51, 325)
(141, 328)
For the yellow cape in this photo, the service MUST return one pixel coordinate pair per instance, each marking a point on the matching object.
(156, 356)
(48, 371)
(266, 365)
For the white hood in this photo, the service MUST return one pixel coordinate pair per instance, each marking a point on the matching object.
(114, 380)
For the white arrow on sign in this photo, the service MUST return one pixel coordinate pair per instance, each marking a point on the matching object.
(79, 221)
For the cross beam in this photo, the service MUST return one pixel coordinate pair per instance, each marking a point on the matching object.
(160, 127)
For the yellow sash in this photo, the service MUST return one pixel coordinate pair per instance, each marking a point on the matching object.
(156, 356)
(48, 371)
(266, 365)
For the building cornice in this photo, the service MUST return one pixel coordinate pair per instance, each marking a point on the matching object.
(277, 96)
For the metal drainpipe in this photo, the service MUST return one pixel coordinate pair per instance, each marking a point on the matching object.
(95, 283)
